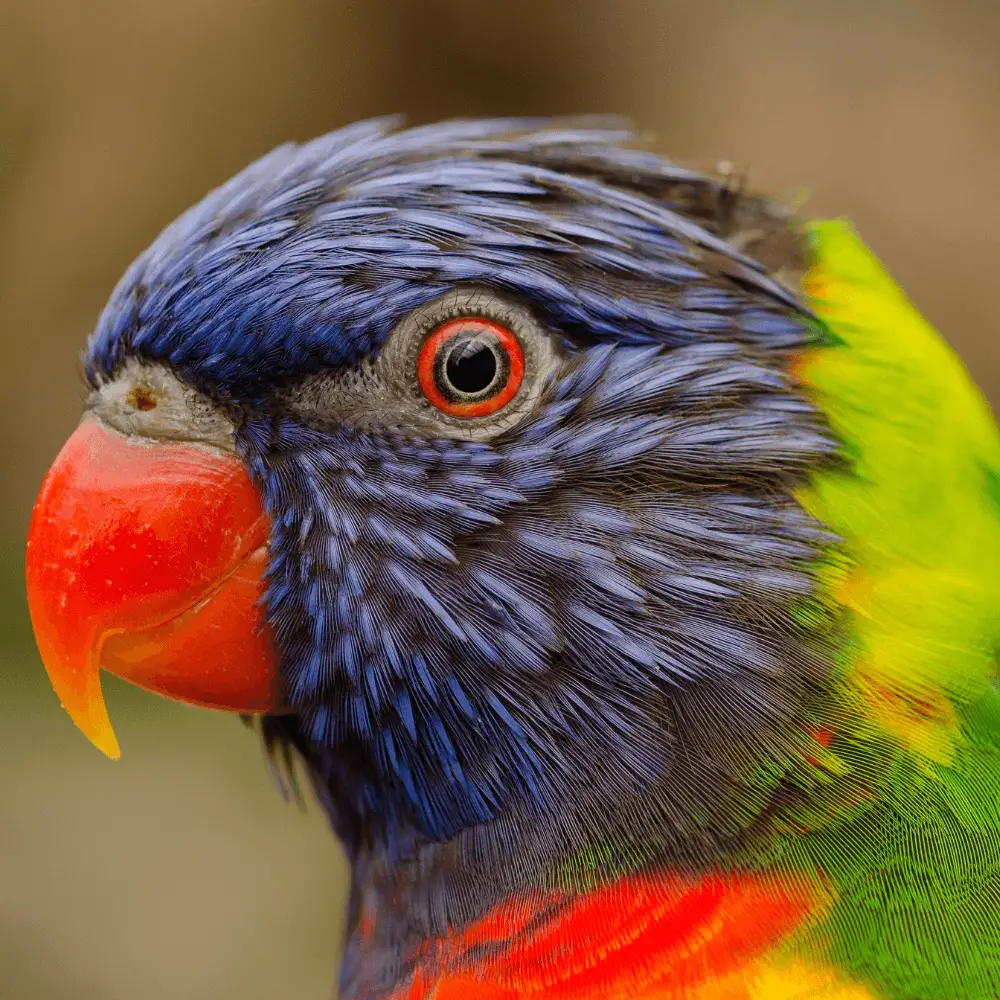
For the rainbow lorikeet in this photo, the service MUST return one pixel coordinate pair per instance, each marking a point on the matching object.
(618, 551)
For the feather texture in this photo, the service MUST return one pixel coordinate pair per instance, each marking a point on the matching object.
(680, 681)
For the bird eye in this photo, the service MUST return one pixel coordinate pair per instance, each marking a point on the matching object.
(470, 367)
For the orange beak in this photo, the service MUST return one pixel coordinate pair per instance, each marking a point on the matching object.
(147, 559)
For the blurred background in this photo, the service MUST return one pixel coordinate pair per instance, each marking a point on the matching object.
(179, 872)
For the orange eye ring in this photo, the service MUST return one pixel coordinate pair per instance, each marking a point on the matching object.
(464, 349)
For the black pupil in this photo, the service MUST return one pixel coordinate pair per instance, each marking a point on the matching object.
(471, 366)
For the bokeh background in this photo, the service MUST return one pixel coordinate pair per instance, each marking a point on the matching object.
(179, 872)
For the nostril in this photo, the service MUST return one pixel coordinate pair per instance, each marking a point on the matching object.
(141, 399)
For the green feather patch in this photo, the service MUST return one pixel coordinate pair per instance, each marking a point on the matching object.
(909, 839)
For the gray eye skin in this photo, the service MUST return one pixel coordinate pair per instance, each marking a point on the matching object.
(384, 394)
(146, 400)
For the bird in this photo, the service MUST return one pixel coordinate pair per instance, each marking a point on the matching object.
(615, 549)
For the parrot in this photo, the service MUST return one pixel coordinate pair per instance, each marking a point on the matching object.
(616, 551)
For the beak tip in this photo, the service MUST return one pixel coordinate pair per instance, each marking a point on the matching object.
(109, 747)
(92, 720)
(105, 740)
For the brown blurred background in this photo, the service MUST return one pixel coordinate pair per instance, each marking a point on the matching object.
(178, 872)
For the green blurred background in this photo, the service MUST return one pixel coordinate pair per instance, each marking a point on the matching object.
(178, 872)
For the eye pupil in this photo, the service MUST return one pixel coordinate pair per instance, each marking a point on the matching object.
(471, 366)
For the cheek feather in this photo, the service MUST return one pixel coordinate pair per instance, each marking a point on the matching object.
(524, 611)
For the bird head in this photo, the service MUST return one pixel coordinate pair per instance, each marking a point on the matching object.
(467, 454)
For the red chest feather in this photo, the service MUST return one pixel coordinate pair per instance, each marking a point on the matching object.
(662, 936)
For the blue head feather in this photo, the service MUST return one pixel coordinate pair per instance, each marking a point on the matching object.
(561, 619)
(308, 258)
